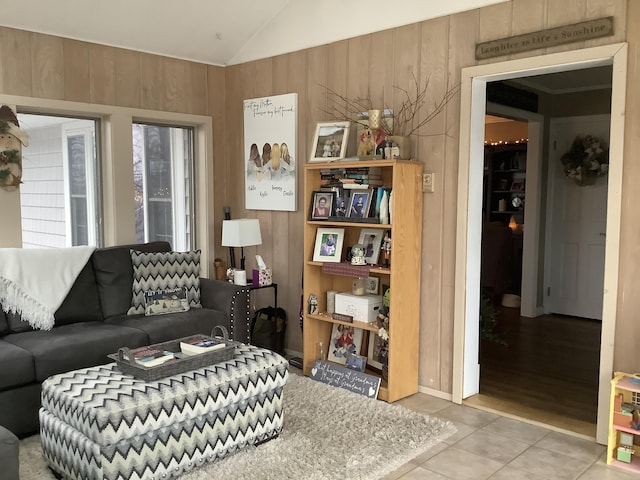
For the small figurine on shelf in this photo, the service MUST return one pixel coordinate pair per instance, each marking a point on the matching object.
(313, 304)
(357, 255)
(386, 249)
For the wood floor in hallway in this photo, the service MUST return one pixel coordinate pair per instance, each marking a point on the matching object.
(546, 372)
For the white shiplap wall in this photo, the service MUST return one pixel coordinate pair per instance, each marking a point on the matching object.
(42, 190)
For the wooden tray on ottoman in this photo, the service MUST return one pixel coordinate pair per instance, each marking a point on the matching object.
(126, 363)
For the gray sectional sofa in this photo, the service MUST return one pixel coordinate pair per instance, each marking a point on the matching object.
(92, 322)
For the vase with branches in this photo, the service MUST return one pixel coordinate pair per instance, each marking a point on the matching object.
(411, 113)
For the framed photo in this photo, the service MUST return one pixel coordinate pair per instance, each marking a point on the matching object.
(359, 203)
(345, 339)
(372, 285)
(378, 351)
(321, 205)
(330, 141)
(356, 362)
(517, 185)
(328, 247)
(371, 239)
(342, 203)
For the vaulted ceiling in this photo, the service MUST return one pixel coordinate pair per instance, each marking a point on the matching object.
(220, 32)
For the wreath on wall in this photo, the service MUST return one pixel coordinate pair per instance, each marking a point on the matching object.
(10, 166)
(12, 137)
(586, 160)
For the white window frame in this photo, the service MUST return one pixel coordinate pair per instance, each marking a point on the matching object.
(73, 129)
(182, 186)
(116, 146)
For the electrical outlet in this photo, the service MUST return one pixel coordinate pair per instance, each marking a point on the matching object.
(427, 182)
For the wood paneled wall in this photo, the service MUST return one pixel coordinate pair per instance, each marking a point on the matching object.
(627, 354)
(45, 66)
(38, 65)
(371, 65)
(49, 67)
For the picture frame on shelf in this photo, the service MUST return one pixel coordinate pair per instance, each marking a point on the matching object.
(330, 141)
(359, 203)
(517, 185)
(371, 239)
(345, 339)
(342, 203)
(372, 285)
(328, 246)
(356, 362)
(378, 348)
(322, 205)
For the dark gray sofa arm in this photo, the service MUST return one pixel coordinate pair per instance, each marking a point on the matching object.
(231, 299)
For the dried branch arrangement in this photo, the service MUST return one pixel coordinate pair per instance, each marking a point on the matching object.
(406, 118)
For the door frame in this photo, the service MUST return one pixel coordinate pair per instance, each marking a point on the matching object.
(466, 368)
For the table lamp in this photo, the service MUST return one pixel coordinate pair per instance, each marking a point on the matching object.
(244, 232)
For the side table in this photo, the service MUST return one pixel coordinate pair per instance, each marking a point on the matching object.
(251, 286)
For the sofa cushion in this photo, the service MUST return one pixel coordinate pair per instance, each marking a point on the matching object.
(162, 328)
(162, 270)
(82, 303)
(16, 324)
(114, 275)
(76, 345)
(21, 372)
(4, 323)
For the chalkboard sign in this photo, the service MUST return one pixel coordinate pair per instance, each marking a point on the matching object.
(339, 376)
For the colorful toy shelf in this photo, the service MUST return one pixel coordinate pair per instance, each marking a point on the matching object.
(623, 448)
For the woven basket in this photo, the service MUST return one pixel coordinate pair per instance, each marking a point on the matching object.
(126, 364)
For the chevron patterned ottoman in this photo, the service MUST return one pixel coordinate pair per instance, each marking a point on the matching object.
(98, 423)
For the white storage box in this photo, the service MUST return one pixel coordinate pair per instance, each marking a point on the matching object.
(363, 308)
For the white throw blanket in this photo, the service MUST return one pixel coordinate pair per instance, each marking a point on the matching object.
(35, 282)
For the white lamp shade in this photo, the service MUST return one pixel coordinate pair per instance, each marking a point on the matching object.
(243, 232)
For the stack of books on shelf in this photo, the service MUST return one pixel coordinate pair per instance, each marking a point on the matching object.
(357, 178)
(151, 357)
(197, 345)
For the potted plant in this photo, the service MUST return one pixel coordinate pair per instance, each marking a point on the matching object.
(488, 321)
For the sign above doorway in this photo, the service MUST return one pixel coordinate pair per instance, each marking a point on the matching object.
(545, 38)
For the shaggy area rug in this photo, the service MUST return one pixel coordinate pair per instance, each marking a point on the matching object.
(329, 433)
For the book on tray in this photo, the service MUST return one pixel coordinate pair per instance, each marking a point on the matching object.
(196, 345)
(151, 357)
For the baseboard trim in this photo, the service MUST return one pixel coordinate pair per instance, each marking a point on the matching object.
(435, 393)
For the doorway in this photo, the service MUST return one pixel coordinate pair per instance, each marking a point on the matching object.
(523, 339)
(466, 325)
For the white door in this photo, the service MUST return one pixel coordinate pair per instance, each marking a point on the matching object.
(576, 238)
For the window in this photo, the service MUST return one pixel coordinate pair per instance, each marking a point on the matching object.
(59, 193)
(163, 184)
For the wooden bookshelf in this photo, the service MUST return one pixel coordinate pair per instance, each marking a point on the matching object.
(403, 277)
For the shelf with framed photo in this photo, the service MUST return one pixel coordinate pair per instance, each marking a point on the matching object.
(405, 179)
(505, 179)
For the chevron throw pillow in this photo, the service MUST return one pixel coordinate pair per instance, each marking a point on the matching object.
(162, 270)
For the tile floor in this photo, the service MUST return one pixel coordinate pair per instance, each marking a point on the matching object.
(489, 446)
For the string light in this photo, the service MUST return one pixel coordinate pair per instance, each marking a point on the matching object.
(506, 142)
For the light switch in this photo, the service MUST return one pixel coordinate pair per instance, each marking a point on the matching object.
(427, 182)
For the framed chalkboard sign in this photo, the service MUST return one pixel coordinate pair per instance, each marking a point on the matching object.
(352, 380)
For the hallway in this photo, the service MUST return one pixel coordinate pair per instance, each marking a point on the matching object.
(547, 372)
